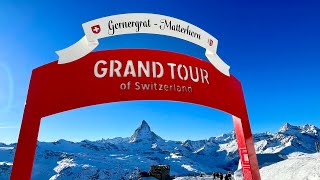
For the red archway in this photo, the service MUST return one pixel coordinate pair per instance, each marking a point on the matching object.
(94, 79)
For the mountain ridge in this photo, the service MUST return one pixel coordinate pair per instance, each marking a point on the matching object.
(119, 157)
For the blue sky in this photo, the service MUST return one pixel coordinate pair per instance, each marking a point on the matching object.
(273, 48)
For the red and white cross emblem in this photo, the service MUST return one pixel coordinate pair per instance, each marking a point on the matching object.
(96, 29)
(210, 42)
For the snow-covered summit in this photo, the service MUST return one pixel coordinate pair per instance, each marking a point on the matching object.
(144, 133)
(224, 137)
(291, 129)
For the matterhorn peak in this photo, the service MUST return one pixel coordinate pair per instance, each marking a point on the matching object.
(144, 133)
(144, 124)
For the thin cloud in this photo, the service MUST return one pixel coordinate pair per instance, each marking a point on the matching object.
(8, 127)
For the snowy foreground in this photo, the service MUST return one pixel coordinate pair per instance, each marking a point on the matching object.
(195, 178)
(287, 154)
(298, 166)
(305, 167)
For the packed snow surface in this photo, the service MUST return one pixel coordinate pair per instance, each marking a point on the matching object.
(205, 177)
(304, 167)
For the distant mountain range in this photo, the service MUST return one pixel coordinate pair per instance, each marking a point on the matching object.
(123, 158)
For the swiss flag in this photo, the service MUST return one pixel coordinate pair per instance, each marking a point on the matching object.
(96, 29)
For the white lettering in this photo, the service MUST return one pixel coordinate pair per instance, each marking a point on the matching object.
(172, 65)
(104, 70)
(154, 70)
(129, 69)
(116, 70)
(145, 69)
(204, 77)
(185, 70)
(191, 74)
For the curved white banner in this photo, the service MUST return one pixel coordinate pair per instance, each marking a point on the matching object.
(142, 23)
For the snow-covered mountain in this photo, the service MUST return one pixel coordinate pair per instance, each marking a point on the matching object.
(122, 158)
(144, 133)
